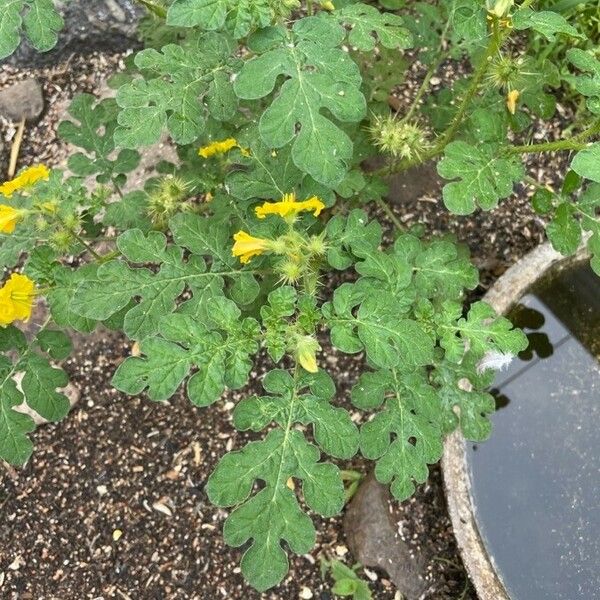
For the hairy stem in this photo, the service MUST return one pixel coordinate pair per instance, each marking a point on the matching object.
(577, 142)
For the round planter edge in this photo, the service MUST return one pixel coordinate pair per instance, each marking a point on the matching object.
(503, 295)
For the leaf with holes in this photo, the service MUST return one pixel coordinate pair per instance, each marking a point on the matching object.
(180, 85)
(405, 436)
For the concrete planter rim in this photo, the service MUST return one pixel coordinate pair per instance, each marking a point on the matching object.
(503, 295)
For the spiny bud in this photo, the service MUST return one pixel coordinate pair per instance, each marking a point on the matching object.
(167, 199)
(506, 72)
(61, 240)
(41, 224)
(402, 140)
(327, 5)
(316, 245)
(290, 271)
(72, 222)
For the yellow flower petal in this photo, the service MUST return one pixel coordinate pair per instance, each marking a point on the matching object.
(247, 246)
(289, 206)
(16, 299)
(26, 179)
(221, 147)
(306, 352)
(9, 217)
(511, 101)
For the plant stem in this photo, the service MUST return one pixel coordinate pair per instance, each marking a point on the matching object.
(495, 43)
(118, 189)
(155, 9)
(392, 217)
(577, 142)
(431, 71)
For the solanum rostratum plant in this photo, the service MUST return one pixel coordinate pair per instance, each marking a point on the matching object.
(274, 107)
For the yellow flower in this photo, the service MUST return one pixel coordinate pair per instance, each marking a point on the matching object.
(9, 217)
(221, 147)
(247, 246)
(16, 299)
(328, 5)
(25, 179)
(511, 101)
(306, 353)
(289, 206)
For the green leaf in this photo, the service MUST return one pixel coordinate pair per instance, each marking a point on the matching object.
(239, 17)
(218, 343)
(318, 75)
(379, 326)
(39, 386)
(588, 82)
(181, 84)
(268, 174)
(350, 237)
(484, 176)
(368, 26)
(10, 26)
(480, 331)
(15, 446)
(439, 269)
(42, 24)
(564, 231)
(546, 22)
(115, 283)
(463, 399)
(405, 436)
(93, 131)
(587, 162)
(272, 515)
(56, 343)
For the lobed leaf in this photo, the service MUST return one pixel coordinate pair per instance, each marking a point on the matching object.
(318, 75)
(179, 86)
(546, 22)
(273, 514)
(405, 436)
(484, 176)
(368, 27)
(93, 131)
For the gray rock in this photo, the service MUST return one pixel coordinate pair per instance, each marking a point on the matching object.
(374, 541)
(90, 25)
(22, 99)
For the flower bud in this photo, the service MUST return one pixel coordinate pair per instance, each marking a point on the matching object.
(306, 353)
(499, 8)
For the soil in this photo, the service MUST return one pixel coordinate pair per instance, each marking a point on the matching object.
(112, 503)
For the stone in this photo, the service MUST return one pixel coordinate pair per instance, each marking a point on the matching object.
(374, 540)
(22, 99)
(90, 25)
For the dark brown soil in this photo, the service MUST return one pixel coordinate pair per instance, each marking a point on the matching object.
(112, 504)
